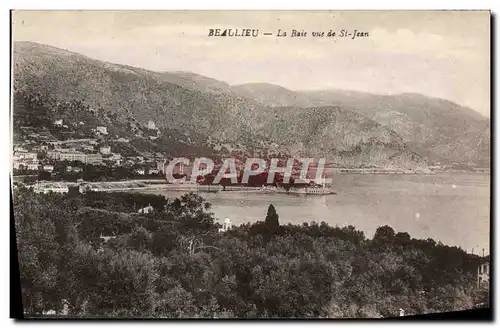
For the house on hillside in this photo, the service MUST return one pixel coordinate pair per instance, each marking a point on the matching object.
(146, 210)
(20, 149)
(140, 171)
(105, 150)
(88, 147)
(102, 130)
(31, 166)
(58, 122)
(160, 165)
(94, 158)
(151, 125)
(75, 169)
(48, 168)
(159, 156)
(148, 156)
(483, 274)
(123, 140)
(227, 225)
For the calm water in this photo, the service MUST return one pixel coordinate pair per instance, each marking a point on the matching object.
(453, 208)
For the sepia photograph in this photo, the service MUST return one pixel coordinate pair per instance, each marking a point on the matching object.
(250, 164)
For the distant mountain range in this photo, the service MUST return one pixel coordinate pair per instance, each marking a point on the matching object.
(439, 129)
(349, 128)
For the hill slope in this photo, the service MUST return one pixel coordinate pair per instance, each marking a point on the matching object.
(185, 104)
(439, 129)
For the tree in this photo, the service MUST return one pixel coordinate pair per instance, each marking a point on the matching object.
(272, 222)
(383, 235)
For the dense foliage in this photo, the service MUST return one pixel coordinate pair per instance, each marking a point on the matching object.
(173, 262)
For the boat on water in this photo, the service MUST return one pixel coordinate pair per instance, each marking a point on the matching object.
(310, 188)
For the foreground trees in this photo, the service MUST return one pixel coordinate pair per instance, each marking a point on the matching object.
(94, 255)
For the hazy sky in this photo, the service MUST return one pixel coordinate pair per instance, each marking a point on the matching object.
(441, 53)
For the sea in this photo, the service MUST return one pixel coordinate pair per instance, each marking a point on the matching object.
(449, 207)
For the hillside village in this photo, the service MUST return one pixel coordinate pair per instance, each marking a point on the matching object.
(41, 152)
(75, 143)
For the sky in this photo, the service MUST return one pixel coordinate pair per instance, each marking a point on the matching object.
(443, 54)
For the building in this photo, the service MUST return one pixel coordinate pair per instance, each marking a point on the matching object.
(51, 187)
(123, 140)
(25, 156)
(483, 274)
(102, 130)
(48, 168)
(76, 169)
(115, 157)
(147, 156)
(154, 171)
(54, 154)
(94, 158)
(105, 150)
(58, 122)
(140, 171)
(160, 165)
(146, 210)
(226, 225)
(151, 125)
(88, 147)
(73, 156)
(25, 160)
(32, 166)
(20, 149)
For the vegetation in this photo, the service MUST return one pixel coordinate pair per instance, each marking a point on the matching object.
(173, 262)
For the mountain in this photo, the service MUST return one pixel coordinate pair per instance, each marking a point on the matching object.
(122, 89)
(184, 105)
(438, 129)
(197, 82)
(273, 95)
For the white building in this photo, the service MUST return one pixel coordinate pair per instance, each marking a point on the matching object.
(483, 273)
(140, 171)
(160, 165)
(88, 147)
(102, 130)
(26, 156)
(151, 125)
(146, 210)
(58, 122)
(51, 187)
(105, 150)
(227, 225)
(32, 166)
(123, 140)
(48, 168)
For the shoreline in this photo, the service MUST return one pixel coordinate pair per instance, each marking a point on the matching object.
(154, 184)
